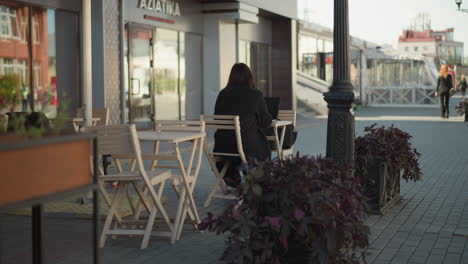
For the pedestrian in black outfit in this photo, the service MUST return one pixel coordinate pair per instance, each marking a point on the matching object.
(241, 98)
(444, 84)
(463, 85)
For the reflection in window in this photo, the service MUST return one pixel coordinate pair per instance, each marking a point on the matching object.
(258, 57)
(9, 23)
(169, 74)
(43, 20)
(244, 52)
(36, 31)
(40, 93)
(14, 50)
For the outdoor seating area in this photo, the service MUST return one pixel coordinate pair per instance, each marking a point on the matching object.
(145, 174)
(132, 179)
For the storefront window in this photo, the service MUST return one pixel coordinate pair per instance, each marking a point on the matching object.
(320, 47)
(37, 72)
(328, 46)
(43, 23)
(244, 52)
(308, 55)
(155, 74)
(170, 95)
(258, 57)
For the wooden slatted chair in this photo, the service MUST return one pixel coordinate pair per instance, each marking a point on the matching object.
(122, 143)
(226, 122)
(287, 115)
(101, 113)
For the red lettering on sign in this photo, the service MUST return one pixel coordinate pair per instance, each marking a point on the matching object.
(164, 20)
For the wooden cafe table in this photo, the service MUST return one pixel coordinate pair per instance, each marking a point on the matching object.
(188, 171)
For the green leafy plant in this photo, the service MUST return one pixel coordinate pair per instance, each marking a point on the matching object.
(9, 92)
(387, 145)
(28, 124)
(462, 107)
(300, 210)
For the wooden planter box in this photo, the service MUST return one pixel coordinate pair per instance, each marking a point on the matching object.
(40, 170)
(382, 189)
(42, 167)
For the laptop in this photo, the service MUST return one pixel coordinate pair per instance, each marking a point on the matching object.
(272, 104)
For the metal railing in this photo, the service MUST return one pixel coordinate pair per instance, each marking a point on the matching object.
(403, 96)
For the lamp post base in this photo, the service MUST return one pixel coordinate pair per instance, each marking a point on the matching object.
(340, 132)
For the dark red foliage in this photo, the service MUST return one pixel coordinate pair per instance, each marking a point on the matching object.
(307, 200)
(388, 145)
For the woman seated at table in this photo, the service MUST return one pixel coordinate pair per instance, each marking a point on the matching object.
(241, 98)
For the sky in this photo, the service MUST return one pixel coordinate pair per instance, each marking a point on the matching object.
(382, 21)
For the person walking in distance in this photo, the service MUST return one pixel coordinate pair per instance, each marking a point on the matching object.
(463, 85)
(444, 84)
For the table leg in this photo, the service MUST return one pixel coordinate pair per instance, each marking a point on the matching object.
(185, 183)
(277, 142)
(178, 218)
(283, 132)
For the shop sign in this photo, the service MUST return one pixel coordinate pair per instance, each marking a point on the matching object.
(160, 6)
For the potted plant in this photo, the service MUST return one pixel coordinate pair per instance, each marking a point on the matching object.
(300, 210)
(462, 109)
(38, 160)
(383, 155)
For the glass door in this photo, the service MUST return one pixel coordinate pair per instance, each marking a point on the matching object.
(155, 68)
(140, 95)
(169, 77)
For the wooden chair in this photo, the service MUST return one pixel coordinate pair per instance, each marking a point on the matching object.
(100, 118)
(122, 143)
(101, 113)
(226, 122)
(287, 115)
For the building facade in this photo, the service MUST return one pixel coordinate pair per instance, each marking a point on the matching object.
(178, 55)
(315, 55)
(432, 43)
(151, 59)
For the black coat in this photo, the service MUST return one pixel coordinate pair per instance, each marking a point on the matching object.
(463, 85)
(444, 84)
(251, 108)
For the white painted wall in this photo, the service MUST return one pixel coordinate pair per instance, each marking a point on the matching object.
(211, 62)
(430, 48)
(228, 51)
(260, 32)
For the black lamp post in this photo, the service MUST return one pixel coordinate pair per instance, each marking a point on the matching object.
(459, 2)
(340, 98)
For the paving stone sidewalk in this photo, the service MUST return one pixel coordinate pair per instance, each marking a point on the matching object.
(429, 225)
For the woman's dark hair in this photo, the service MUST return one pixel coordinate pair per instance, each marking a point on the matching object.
(241, 76)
